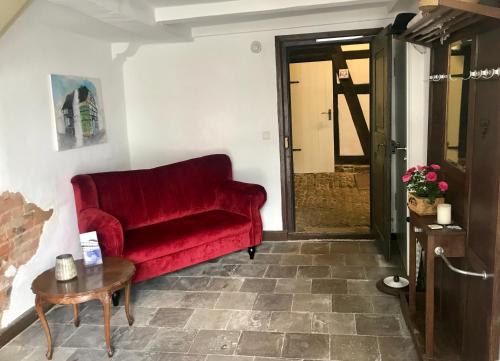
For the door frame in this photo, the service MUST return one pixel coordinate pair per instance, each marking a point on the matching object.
(282, 46)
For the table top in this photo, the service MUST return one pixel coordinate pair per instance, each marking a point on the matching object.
(113, 272)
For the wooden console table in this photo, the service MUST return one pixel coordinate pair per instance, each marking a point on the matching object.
(453, 243)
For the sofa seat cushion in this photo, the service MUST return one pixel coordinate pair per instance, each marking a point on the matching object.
(158, 240)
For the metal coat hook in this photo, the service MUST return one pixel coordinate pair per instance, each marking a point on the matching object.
(483, 74)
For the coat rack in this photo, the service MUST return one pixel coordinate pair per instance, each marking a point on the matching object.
(473, 75)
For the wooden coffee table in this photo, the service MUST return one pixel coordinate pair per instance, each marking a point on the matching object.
(92, 283)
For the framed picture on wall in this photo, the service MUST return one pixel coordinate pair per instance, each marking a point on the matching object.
(78, 111)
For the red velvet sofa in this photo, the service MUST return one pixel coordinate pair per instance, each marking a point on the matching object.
(170, 217)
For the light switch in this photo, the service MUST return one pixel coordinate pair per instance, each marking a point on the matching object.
(266, 135)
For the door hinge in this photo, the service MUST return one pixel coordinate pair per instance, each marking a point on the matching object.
(286, 143)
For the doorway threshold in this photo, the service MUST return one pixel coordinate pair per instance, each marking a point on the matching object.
(315, 235)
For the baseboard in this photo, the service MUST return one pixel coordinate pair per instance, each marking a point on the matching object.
(274, 236)
(19, 325)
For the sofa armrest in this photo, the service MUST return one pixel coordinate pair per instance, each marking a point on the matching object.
(108, 228)
(241, 198)
(245, 199)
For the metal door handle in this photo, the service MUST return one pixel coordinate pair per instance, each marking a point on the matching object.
(296, 149)
(329, 112)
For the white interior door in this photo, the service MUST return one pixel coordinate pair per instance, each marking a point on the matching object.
(312, 124)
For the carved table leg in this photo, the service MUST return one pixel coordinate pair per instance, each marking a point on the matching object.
(76, 319)
(106, 304)
(130, 318)
(45, 325)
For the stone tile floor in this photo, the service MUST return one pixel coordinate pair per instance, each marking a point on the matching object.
(298, 300)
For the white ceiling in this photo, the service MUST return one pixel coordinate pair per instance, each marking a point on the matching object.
(174, 20)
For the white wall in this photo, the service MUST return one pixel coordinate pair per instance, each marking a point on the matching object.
(28, 161)
(214, 95)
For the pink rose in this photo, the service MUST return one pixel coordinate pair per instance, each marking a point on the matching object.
(411, 170)
(435, 166)
(421, 167)
(443, 186)
(406, 178)
(431, 177)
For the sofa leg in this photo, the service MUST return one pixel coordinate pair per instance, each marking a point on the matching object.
(115, 297)
(251, 252)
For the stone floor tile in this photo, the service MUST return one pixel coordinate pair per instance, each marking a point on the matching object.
(312, 303)
(228, 358)
(265, 247)
(249, 321)
(93, 314)
(273, 302)
(236, 258)
(171, 317)
(176, 357)
(250, 270)
(267, 344)
(287, 285)
(34, 335)
(329, 286)
(377, 273)
(195, 270)
(313, 272)
(58, 354)
(199, 300)
(306, 346)
(155, 298)
(215, 342)
(290, 322)
(361, 259)
(274, 271)
(168, 340)
(265, 285)
(386, 304)
(218, 270)
(266, 258)
(334, 323)
(224, 284)
(258, 358)
(236, 301)
(362, 287)
(377, 325)
(62, 314)
(158, 283)
(367, 247)
(344, 247)
(354, 348)
(315, 248)
(397, 349)
(132, 338)
(348, 272)
(329, 260)
(86, 354)
(18, 353)
(86, 336)
(296, 260)
(141, 315)
(130, 355)
(286, 247)
(191, 284)
(209, 319)
(352, 303)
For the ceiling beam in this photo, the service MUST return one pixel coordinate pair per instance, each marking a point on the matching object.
(200, 11)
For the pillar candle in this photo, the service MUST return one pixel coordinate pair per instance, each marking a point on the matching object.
(444, 213)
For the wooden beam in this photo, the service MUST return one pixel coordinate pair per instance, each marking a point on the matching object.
(353, 102)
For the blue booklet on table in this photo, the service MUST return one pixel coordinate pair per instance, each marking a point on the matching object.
(91, 250)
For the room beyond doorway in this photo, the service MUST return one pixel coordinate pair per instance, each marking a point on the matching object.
(331, 171)
(326, 133)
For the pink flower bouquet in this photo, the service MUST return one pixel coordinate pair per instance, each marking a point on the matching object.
(423, 181)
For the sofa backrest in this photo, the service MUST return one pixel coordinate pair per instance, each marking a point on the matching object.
(148, 196)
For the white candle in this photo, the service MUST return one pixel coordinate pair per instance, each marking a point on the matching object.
(444, 213)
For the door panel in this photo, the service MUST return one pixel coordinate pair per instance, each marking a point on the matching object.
(380, 141)
(312, 126)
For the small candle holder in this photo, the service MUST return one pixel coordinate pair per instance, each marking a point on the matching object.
(65, 268)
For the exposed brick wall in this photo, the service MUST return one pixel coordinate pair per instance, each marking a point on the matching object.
(21, 226)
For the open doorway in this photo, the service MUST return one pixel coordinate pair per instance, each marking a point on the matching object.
(330, 139)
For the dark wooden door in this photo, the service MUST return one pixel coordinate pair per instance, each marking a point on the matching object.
(380, 141)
